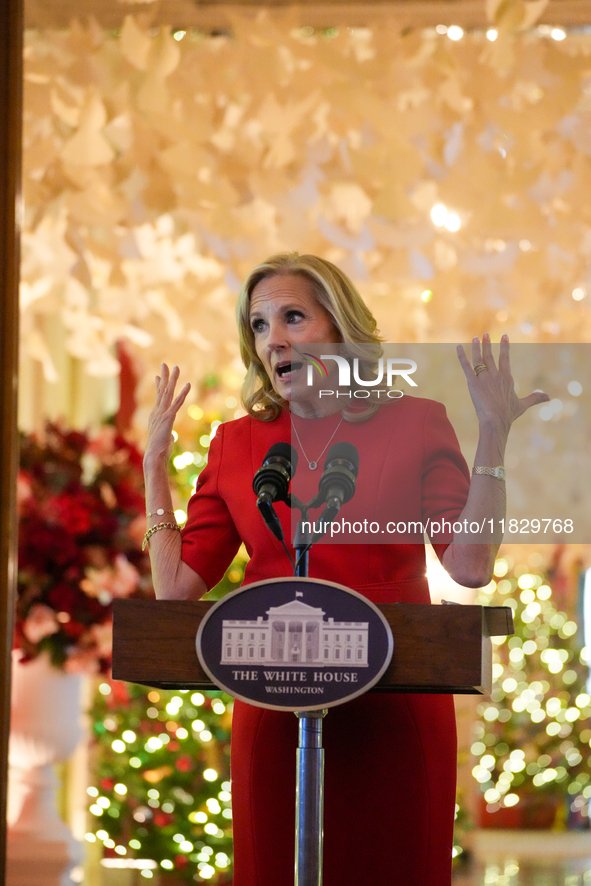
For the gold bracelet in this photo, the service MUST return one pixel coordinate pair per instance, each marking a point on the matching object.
(498, 472)
(157, 528)
(159, 512)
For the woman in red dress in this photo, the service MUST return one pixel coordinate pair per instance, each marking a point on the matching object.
(390, 759)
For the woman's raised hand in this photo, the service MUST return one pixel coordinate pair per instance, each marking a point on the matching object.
(161, 420)
(491, 388)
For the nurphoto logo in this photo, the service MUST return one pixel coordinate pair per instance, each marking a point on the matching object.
(314, 363)
(389, 368)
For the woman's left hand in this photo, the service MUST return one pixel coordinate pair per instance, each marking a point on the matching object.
(491, 388)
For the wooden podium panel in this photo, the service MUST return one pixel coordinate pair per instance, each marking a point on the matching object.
(439, 649)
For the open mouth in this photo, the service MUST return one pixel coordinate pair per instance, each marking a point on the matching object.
(284, 370)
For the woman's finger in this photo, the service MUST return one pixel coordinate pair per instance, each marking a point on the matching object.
(476, 353)
(464, 362)
(487, 354)
(178, 402)
(171, 380)
(159, 390)
(533, 399)
(504, 356)
(165, 388)
(161, 382)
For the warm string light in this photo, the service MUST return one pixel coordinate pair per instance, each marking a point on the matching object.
(160, 801)
(188, 461)
(490, 129)
(533, 733)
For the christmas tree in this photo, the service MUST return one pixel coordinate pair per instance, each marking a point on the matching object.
(161, 791)
(160, 797)
(532, 738)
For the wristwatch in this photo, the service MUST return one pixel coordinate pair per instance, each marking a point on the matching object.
(498, 472)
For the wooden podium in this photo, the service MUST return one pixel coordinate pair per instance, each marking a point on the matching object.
(443, 648)
(437, 649)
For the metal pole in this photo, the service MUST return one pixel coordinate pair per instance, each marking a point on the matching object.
(309, 828)
(301, 543)
(11, 54)
(309, 831)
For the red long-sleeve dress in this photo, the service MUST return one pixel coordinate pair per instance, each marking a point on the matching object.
(390, 759)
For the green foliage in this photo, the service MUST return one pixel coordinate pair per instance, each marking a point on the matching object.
(161, 787)
(533, 735)
(186, 465)
(162, 780)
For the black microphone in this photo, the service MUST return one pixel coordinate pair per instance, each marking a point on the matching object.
(271, 483)
(337, 484)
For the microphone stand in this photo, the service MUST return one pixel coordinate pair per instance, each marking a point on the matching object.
(302, 539)
(309, 827)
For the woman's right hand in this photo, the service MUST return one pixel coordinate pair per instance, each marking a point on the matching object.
(160, 423)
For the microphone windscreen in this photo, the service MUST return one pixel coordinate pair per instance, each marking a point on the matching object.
(285, 451)
(345, 451)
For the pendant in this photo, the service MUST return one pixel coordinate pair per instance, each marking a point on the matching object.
(313, 465)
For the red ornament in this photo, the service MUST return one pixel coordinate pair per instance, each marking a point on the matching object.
(119, 692)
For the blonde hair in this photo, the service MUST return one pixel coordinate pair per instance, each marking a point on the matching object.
(334, 291)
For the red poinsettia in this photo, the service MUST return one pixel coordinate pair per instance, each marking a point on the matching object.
(81, 509)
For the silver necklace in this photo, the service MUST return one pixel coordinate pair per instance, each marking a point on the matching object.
(314, 464)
